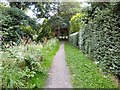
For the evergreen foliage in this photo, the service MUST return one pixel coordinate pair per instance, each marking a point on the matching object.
(100, 37)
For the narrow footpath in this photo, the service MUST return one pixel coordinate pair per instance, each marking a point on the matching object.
(59, 76)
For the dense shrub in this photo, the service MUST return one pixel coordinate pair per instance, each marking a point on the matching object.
(15, 25)
(100, 38)
(22, 63)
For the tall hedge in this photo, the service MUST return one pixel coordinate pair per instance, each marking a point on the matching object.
(100, 38)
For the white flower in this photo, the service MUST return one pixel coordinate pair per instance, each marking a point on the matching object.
(20, 53)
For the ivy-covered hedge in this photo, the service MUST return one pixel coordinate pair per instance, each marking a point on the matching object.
(73, 38)
(100, 38)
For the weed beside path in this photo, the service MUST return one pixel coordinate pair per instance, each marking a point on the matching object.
(85, 74)
(40, 79)
(27, 66)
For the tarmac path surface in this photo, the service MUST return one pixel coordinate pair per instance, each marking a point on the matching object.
(59, 76)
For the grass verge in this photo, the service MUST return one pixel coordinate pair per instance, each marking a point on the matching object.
(40, 79)
(84, 72)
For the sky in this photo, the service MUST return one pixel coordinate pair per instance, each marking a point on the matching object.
(4, 1)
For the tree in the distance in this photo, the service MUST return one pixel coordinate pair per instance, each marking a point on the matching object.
(76, 22)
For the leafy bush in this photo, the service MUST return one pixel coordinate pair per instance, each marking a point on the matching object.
(22, 63)
(13, 22)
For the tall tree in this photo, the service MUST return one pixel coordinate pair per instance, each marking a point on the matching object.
(41, 9)
(21, 5)
(68, 9)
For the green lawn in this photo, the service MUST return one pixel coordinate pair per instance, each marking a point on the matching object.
(84, 72)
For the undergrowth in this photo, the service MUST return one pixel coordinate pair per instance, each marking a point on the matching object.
(27, 66)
